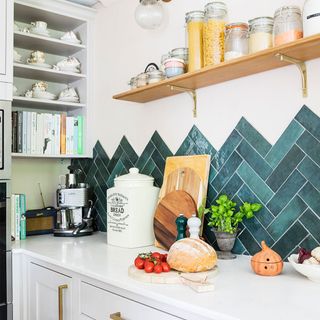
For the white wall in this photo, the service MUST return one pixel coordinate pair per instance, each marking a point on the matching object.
(27, 173)
(268, 100)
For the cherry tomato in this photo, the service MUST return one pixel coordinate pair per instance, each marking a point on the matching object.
(148, 267)
(139, 263)
(165, 267)
(156, 255)
(164, 257)
(158, 268)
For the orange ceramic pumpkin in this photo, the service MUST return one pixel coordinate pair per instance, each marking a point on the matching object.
(266, 262)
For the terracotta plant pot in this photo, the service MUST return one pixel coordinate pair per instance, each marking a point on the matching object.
(225, 241)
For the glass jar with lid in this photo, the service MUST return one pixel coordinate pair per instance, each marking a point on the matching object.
(155, 76)
(287, 25)
(133, 83)
(260, 34)
(236, 40)
(213, 32)
(194, 20)
(180, 53)
(142, 79)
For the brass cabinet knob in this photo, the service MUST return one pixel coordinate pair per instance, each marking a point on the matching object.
(116, 316)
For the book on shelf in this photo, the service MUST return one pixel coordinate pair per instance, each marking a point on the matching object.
(18, 211)
(39, 133)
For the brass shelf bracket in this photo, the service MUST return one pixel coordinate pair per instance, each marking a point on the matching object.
(192, 93)
(302, 68)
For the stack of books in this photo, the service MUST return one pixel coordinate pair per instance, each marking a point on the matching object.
(37, 133)
(18, 218)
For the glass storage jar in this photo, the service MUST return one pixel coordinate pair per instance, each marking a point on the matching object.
(213, 32)
(260, 34)
(142, 79)
(155, 76)
(133, 83)
(236, 40)
(194, 20)
(287, 25)
(180, 53)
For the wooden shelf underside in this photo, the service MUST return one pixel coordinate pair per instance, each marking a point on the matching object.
(303, 49)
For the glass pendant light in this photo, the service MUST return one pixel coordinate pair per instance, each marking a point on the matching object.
(149, 14)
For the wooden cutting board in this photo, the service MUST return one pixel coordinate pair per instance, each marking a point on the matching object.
(188, 180)
(200, 166)
(172, 277)
(167, 211)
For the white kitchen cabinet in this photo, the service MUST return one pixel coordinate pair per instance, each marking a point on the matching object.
(6, 23)
(100, 304)
(50, 293)
(6, 49)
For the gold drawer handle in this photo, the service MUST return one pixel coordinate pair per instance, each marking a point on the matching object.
(60, 298)
(116, 316)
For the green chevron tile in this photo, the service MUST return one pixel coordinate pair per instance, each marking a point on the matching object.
(287, 217)
(247, 174)
(310, 146)
(160, 145)
(311, 222)
(311, 171)
(287, 191)
(290, 240)
(249, 242)
(309, 120)
(284, 143)
(257, 141)
(285, 168)
(253, 158)
(311, 197)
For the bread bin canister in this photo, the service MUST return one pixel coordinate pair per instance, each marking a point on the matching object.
(131, 205)
(311, 17)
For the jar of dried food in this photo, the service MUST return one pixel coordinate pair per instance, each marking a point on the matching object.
(142, 79)
(155, 76)
(213, 32)
(236, 40)
(260, 34)
(180, 53)
(287, 25)
(194, 20)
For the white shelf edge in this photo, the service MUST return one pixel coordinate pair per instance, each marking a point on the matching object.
(49, 102)
(52, 71)
(53, 156)
(49, 39)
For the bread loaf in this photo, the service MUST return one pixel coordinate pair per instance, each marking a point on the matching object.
(191, 255)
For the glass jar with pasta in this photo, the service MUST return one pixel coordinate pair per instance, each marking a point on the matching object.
(213, 32)
(194, 20)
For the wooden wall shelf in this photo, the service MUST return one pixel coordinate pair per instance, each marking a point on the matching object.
(302, 50)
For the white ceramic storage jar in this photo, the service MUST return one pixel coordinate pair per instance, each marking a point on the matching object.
(131, 205)
(311, 17)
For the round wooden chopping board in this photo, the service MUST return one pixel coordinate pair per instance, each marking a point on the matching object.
(168, 210)
(172, 277)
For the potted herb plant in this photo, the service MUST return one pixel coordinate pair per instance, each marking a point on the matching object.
(225, 218)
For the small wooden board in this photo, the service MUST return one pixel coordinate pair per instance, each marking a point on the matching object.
(172, 277)
(168, 210)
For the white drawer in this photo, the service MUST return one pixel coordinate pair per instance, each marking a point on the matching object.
(99, 304)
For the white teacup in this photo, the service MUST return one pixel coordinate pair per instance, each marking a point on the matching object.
(40, 25)
(36, 57)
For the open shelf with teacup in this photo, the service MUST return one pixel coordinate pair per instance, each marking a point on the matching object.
(53, 59)
(34, 72)
(51, 45)
(45, 104)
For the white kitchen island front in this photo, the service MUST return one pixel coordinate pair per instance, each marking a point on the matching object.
(98, 286)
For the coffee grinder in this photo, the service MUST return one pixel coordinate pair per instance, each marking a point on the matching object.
(74, 201)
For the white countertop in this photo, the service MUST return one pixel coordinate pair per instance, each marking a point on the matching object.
(238, 294)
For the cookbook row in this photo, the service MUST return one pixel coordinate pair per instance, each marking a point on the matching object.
(36, 133)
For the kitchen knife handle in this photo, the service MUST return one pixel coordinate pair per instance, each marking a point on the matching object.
(116, 316)
(60, 299)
